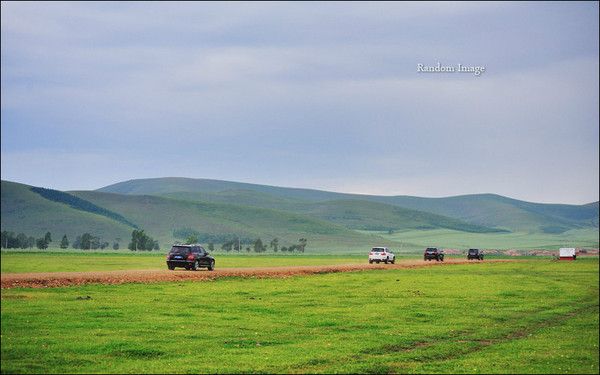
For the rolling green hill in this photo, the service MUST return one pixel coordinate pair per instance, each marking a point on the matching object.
(487, 210)
(366, 215)
(502, 212)
(24, 210)
(330, 225)
(353, 214)
(164, 218)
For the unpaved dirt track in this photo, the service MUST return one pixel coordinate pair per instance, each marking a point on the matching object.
(58, 279)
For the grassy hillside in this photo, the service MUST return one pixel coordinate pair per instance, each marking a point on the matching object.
(498, 211)
(378, 216)
(23, 210)
(487, 210)
(240, 197)
(345, 225)
(353, 214)
(156, 186)
(162, 217)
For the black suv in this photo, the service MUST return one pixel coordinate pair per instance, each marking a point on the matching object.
(475, 254)
(190, 257)
(433, 253)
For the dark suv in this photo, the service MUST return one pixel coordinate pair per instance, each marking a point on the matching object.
(190, 257)
(475, 254)
(433, 253)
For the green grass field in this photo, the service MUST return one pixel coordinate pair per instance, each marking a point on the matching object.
(525, 317)
(80, 261)
(522, 241)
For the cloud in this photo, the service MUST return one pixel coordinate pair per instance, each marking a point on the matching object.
(329, 92)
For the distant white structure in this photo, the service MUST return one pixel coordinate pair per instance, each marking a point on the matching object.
(567, 253)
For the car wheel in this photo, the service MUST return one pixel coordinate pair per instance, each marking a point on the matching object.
(386, 261)
(195, 266)
(211, 266)
(171, 267)
(393, 260)
(377, 261)
(370, 261)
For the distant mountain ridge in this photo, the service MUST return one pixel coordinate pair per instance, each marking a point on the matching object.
(486, 210)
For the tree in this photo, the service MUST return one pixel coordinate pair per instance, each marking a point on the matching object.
(211, 246)
(191, 239)
(227, 246)
(141, 241)
(95, 242)
(77, 243)
(274, 244)
(30, 242)
(115, 245)
(137, 240)
(9, 240)
(22, 241)
(64, 243)
(284, 249)
(258, 246)
(302, 244)
(48, 237)
(4, 239)
(41, 243)
(86, 241)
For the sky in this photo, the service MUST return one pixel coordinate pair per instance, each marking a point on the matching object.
(315, 95)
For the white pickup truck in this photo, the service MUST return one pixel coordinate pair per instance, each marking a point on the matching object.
(381, 254)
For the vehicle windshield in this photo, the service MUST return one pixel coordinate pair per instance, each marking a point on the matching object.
(179, 250)
(431, 250)
(473, 251)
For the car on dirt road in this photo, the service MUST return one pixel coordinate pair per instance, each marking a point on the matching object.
(433, 253)
(475, 254)
(381, 254)
(190, 257)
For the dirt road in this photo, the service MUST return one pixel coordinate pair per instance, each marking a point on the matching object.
(58, 279)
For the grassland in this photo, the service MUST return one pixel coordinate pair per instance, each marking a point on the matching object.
(523, 241)
(78, 261)
(25, 211)
(524, 317)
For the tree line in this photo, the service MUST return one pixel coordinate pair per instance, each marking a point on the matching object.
(10, 240)
(86, 241)
(257, 245)
(140, 241)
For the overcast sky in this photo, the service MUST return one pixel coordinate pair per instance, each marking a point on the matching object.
(316, 95)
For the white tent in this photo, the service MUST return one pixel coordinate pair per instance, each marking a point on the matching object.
(567, 253)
